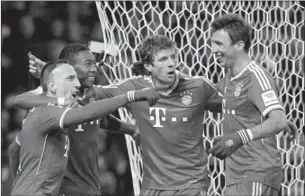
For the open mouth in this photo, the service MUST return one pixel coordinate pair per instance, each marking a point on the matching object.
(92, 78)
(171, 73)
(219, 58)
(75, 93)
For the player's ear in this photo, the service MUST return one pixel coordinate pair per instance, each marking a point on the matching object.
(52, 86)
(240, 45)
(148, 66)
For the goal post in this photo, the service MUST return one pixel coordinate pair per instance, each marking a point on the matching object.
(278, 45)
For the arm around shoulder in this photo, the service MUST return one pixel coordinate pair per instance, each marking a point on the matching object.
(31, 99)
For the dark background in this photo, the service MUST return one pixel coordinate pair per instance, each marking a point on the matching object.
(44, 28)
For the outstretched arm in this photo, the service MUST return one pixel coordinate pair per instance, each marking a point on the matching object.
(31, 99)
(13, 154)
(105, 107)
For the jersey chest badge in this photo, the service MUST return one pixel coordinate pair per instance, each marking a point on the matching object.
(186, 97)
(91, 100)
(238, 89)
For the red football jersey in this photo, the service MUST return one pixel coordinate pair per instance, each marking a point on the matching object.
(247, 99)
(82, 172)
(44, 147)
(171, 131)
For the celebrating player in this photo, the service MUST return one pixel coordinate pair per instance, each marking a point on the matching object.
(44, 141)
(171, 133)
(252, 113)
(174, 159)
(82, 173)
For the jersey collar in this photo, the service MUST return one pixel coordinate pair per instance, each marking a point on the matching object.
(175, 84)
(172, 88)
(241, 72)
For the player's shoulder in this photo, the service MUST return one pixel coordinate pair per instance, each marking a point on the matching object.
(36, 114)
(198, 81)
(259, 75)
(258, 72)
(46, 108)
(140, 79)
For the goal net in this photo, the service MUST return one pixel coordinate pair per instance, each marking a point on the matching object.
(278, 34)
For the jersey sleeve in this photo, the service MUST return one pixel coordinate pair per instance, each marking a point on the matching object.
(214, 102)
(220, 86)
(263, 93)
(103, 92)
(51, 118)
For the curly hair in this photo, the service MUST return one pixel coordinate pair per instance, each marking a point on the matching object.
(152, 45)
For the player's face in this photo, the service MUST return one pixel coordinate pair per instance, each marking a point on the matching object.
(224, 51)
(85, 68)
(163, 67)
(66, 81)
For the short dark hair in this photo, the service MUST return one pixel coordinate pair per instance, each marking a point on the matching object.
(46, 72)
(148, 49)
(71, 50)
(152, 45)
(139, 69)
(237, 28)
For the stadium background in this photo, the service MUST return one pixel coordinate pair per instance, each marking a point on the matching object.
(44, 28)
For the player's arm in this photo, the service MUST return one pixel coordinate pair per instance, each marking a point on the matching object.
(13, 154)
(31, 99)
(102, 92)
(214, 103)
(262, 94)
(34, 98)
(116, 125)
(104, 107)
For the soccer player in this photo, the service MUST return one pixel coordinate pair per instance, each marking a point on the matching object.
(252, 113)
(82, 173)
(44, 141)
(171, 133)
(174, 159)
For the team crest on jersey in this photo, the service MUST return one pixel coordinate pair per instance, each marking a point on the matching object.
(91, 100)
(186, 97)
(238, 89)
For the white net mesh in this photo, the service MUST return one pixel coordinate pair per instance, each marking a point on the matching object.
(278, 45)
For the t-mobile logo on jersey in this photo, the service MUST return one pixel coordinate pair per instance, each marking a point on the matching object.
(156, 117)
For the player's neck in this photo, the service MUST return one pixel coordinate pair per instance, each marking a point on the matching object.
(158, 83)
(240, 64)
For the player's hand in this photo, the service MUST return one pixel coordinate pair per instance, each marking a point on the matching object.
(71, 103)
(136, 137)
(35, 65)
(291, 129)
(149, 94)
(224, 146)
